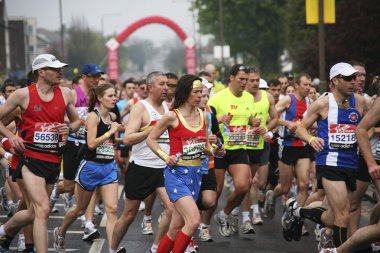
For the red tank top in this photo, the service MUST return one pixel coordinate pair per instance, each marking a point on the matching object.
(41, 141)
(186, 140)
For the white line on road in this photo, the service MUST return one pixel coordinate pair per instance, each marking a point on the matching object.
(96, 246)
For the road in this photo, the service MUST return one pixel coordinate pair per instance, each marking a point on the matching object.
(268, 238)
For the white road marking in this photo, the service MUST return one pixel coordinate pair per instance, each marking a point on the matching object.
(96, 246)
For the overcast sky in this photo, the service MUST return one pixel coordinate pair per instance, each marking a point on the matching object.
(128, 11)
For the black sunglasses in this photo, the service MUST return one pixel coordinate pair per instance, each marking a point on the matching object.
(347, 78)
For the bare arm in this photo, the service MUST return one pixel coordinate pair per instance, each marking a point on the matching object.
(312, 115)
(167, 121)
(17, 101)
(133, 133)
(273, 114)
(92, 130)
(127, 108)
(369, 120)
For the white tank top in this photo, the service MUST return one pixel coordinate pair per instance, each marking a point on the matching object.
(141, 154)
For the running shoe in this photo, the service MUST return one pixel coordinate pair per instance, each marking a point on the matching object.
(305, 231)
(153, 249)
(375, 247)
(317, 232)
(69, 201)
(98, 210)
(59, 241)
(234, 223)
(204, 234)
(192, 247)
(146, 226)
(121, 250)
(13, 209)
(247, 228)
(20, 244)
(256, 219)
(326, 241)
(224, 229)
(90, 233)
(269, 205)
(53, 197)
(328, 250)
(142, 206)
(193, 244)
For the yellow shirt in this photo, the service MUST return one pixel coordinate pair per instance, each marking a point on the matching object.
(261, 108)
(239, 109)
(218, 86)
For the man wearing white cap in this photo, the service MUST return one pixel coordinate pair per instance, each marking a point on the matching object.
(337, 114)
(43, 107)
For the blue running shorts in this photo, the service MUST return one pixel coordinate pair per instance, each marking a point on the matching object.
(92, 174)
(181, 181)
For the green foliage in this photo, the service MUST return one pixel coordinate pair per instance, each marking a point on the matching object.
(139, 51)
(253, 29)
(84, 45)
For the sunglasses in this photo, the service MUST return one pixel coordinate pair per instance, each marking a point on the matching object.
(347, 78)
(243, 68)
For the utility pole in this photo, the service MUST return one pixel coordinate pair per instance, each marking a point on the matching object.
(321, 47)
(62, 30)
(221, 27)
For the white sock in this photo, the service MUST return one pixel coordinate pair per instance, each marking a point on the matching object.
(111, 251)
(223, 215)
(245, 215)
(2, 232)
(147, 217)
(9, 202)
(89, 224)
(235, 211)
(21, 236)
(255, 208)
(154, 248)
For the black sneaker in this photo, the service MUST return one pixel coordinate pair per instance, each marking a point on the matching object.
(298, 229)
(121, 250)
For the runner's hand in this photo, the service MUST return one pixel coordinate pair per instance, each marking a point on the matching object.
(255, 122)
(61, 128)
(317, 144)
(212, 138)
(374, 171)
(114, 127)
(292, 126)
(172, 160)
(17, 144)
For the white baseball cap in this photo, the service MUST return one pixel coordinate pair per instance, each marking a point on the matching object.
(206, 83)
(343, 69)
(263, 84)
(47, 60)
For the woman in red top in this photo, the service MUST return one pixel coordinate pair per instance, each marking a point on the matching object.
(186, 124)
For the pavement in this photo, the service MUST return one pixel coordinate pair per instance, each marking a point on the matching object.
(268, 237)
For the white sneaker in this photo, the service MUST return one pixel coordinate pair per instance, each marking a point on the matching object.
(147, 228)
(142, 206)
(20, 244)
(204, 234)
(98, 210)
(256, 219)
(90, 233)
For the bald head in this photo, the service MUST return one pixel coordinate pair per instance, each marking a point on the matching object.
(210, 68)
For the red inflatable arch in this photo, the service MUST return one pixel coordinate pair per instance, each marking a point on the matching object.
(113, 44)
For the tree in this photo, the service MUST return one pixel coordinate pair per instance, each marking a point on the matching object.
(139, 51)
(253, 29)
(354, 36)
(83, 44)
(175, 57)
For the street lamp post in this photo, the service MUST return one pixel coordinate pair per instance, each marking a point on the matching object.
(102, 20)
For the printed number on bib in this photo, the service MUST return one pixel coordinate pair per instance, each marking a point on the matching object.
(193, 147)
(253, 140)
(342, 136)
(237, 135)
(45, 133)
(105, 151)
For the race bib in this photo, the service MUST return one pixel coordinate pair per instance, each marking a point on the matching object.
(252, 139)
(192, 148)
(237, 135)
(378, 146)
(105, 151)
(45, 133)
(164, 138)
(342, 136)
